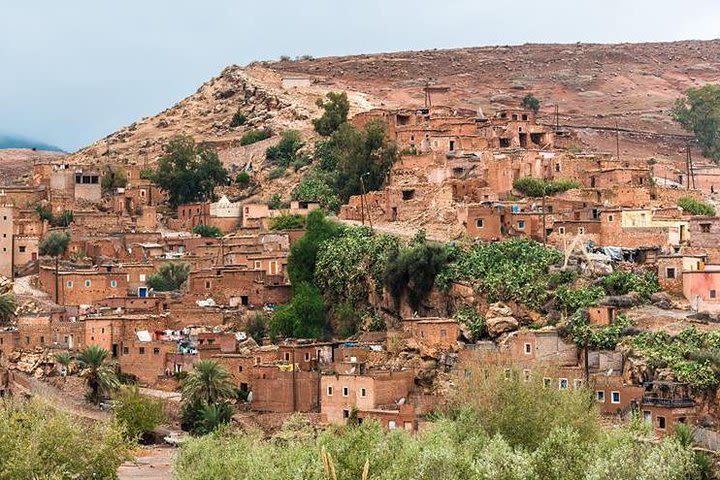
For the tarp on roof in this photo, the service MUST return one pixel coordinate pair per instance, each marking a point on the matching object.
(143, 335)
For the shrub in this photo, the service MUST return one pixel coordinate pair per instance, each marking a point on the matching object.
(474, 322)
(599, 338)
(285, 152)
(242, 178)
(529, 102)
(622, 282)
(137, 413)
(147, 173)
(113, 179)
(288, 221)
(257, 327)
(304, 252)
(699, 112)
(696, 207)
(254, 136)
(276, 173)
(304, 316)
(535, 187)
(571, 300)
(170, 276)
(37, 441)
(318, 185)
(335, 113)
(276, 203)
(238, 119)
(207, 231)
(574, 148)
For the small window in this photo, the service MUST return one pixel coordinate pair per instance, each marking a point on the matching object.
(329, 391)
(363, 392)
(257, 265)
(287, 356)
(508, 372)
(557, 167)
(443, 333)
(207, 284)
(528, 348)
(563, 384)
(581, 230)
(561, 230)
(345, 392)
(577, 384)
(156, 351)
(479, 223)
(600, 396)
(670, 272)
(307, 356)
(547, 382)
(22, 248)
(346, 413)
(526, 375)
(615, 397)
(258, 360)
(647, 416)
(240, 368)
(42, 340)
(713, 293)
(392, 425)
(88, 283)
(69, 284)
(142, 277)
(521, 224)
(408, 194)
(661, 422)
(113, 283)
(705, 227)
(611, 218)
(126, 350)
(142, 350)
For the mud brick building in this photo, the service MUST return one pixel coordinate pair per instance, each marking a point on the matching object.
(702, 288)
(237, 286)
(433, 331)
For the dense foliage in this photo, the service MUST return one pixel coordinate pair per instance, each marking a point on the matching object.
(303, 253)
(699, 112)
(288, 221)
(276, 203)
(692, 356)
(285, 152)
(696, 207)
(100, 376)
(511, 270)
(530, 102)
(38, 442)
(276, 173)
(500, 429)
(207, 231)
(7, 307)
(238, 119)
(242, 178)
(254, 136)
(318, 185)
(113, 178)
(138, 414)
(622, 282)
(473, 321)
(189, 172)
(205, 393)
(257, 327)
(536, 187)
(335, 113)
(63, 220)
(569, 300)
(304, 317)
(169, 277)
(598, 338)
(412, 269)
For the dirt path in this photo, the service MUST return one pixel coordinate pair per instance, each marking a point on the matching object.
(154, 463)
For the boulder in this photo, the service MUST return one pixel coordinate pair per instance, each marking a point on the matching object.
(498, 325)
(662, 300)
(498, 309)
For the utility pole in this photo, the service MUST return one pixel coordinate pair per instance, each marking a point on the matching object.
(692, 170)
(543, 216)
(557, 118)
(617, 140)
(363, 201)
(294, 396)
(687, 164)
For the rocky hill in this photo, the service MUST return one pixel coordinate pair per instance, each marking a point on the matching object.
(17, 162)
(596, 87)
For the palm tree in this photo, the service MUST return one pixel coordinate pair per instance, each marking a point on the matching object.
(170, 276)
(7, 307)
(65, 360)
(99, 376)
(54, 245)
(208, 384)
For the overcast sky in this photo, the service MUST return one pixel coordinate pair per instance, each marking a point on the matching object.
(73, 71)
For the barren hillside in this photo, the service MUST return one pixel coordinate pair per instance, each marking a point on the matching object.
(17, 162)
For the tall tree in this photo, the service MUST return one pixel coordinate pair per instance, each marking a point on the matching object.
(699, 112)
(335, 113)
(189, 172)
(170, 277)
(55, 245)
(208, 383)
(99, 375)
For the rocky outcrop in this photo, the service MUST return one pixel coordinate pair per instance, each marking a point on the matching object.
(499, 320)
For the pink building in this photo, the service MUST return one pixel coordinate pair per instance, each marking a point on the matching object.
(702, 288)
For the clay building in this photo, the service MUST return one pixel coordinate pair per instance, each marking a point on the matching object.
(702, 288)
(82, 287)
(433, 331)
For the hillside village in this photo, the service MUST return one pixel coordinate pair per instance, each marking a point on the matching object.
(560, 260)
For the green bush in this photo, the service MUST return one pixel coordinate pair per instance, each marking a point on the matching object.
(169, 277)
(699, 112)
(475, 322)
(622, 282)
(113, 179)
(276, 203)
(335, 113)
(276, 173)
(318, 185)
(207, 231)
(254, 136)
(599, 338)
(288, 221)
(571, 300)
(242, 178)
(137, 413)
(238, 119)
(39, 442)
(285, 152)
(529, 102)
(304, 252)
(696, 207)
(257, 327)
(536, 187)
(304, 317)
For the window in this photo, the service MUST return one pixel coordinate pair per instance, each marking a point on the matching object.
(363, 392)
(88, 283)
(547, 382)
(647, 416)
(615, 397)
(156, 351)
(561, 230)
(257, 265)
(329, 391)
(507, 374)
(113, 283)
(528, 348)
(661, 422)
(563, 384)
(521, 224)
(240, 368)
(345, 392)
(443, 333)
(577, 384)
(142, 277)
(258, 360)
(611, 218)
(346, 413)
(581, 230)
(526, 375)
(287, 356)
(307, 356)
(392, 425)
(42, 340)
(600, 396)
(126, 350)
(207, 284)
(69, 284)
(705, 227)
(479, 223)
(142, 350)
(670, 272)
(557, 167)
(22, 248)
(713, 293)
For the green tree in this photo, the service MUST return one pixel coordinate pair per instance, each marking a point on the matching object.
(303, 253)
(699, 112)
(139, 414)
(208, 383)
(276, 202)
(189, 172)
(529, 102)
(65, 360)
(696, 207)
(113, 178)
(304, 317)
(254, 136)
(285, 152)
(288, 221)
(211, 416)
(257, 327)
(63, 220)
(7, 307)
(55, 244)
(335, 113)
(207, 231)
(169, 277)
(99, 375)
(238, 119)
(536, 187)
(243, 178)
